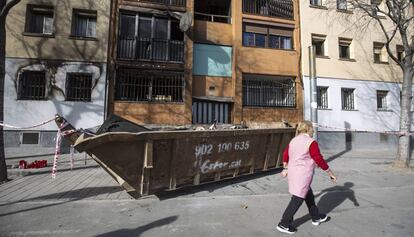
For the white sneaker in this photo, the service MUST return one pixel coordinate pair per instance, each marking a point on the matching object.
(322, 218)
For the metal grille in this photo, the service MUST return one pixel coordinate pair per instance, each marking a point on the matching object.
(277, 92)
(382, 100)
(32, 85)
(276, 8)
(322, 97)
(78, 87)
(150, 39)
(347, 99)
(39, 19)
(84, 23)
(178, 3)
(206, 112)
(139, 85)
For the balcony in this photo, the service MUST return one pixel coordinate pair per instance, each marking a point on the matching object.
(159, 50)
(178, 3)
(272, 8)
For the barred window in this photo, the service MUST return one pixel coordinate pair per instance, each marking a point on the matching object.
(32, 85)
(322, 97)
(39, 19)
(78, 87)
(154, 86)
(348, 102)
(268, 91)
(84, 23)
(382, 100)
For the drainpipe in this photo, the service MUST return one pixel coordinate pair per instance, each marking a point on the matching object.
(313, 91)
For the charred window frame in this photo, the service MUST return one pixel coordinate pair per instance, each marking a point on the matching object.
(213, 10)
(78, 87)
(32, 85)
(264, 36)
(347, 96)
(145, 37)
(268, 91)
(149, 86)
(272, 8)
(84, 23)
(39, 20)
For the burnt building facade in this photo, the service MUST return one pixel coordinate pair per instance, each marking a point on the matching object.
(194, 62)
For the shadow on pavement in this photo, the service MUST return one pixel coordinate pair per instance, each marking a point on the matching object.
(72, 195)
(212, 186)
(138, 231)
(331, 198)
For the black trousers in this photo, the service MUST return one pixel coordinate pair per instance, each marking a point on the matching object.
(294, 205)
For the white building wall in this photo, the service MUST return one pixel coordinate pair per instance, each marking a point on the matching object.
(22, 113)
(366, 116)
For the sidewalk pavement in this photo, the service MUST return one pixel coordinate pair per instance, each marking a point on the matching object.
(370, 199)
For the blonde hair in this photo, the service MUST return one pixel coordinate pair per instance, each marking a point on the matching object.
(304, 127)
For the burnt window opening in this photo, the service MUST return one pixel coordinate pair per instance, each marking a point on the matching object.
(39, 20)
(214, 10)
(272, 8)
(84, 23)
(32, 85)
(151, 86)
(148, 38)
(268, 91)
(78, 87)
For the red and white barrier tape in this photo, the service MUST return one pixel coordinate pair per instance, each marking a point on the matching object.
(367, 131)
(34, 126)
(57, 153)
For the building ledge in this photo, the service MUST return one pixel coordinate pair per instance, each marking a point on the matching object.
(347, 59)
(318, 7)
(38, 35)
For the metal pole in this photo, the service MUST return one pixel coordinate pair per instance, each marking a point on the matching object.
(313, 91)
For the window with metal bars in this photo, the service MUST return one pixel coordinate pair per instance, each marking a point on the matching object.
(272, 8)
(145, 37)
(39, 19)
(348, 102)
(268, 91)
(84, 23)
(32, 85)
(322, 97)
(78, 87)
(382, 100)
(151, 86)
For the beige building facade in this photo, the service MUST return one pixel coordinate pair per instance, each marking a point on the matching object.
(56, 57)
(358, 83)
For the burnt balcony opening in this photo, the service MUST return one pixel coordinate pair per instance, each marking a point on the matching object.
(178, 3)
(272, 8)
(213, 10)
(145, 37)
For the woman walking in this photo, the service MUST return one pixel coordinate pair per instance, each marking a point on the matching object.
(299, 161)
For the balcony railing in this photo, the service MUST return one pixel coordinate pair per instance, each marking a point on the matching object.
(178, 3)
(162, 50)
(212, 18)
(273, 8)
